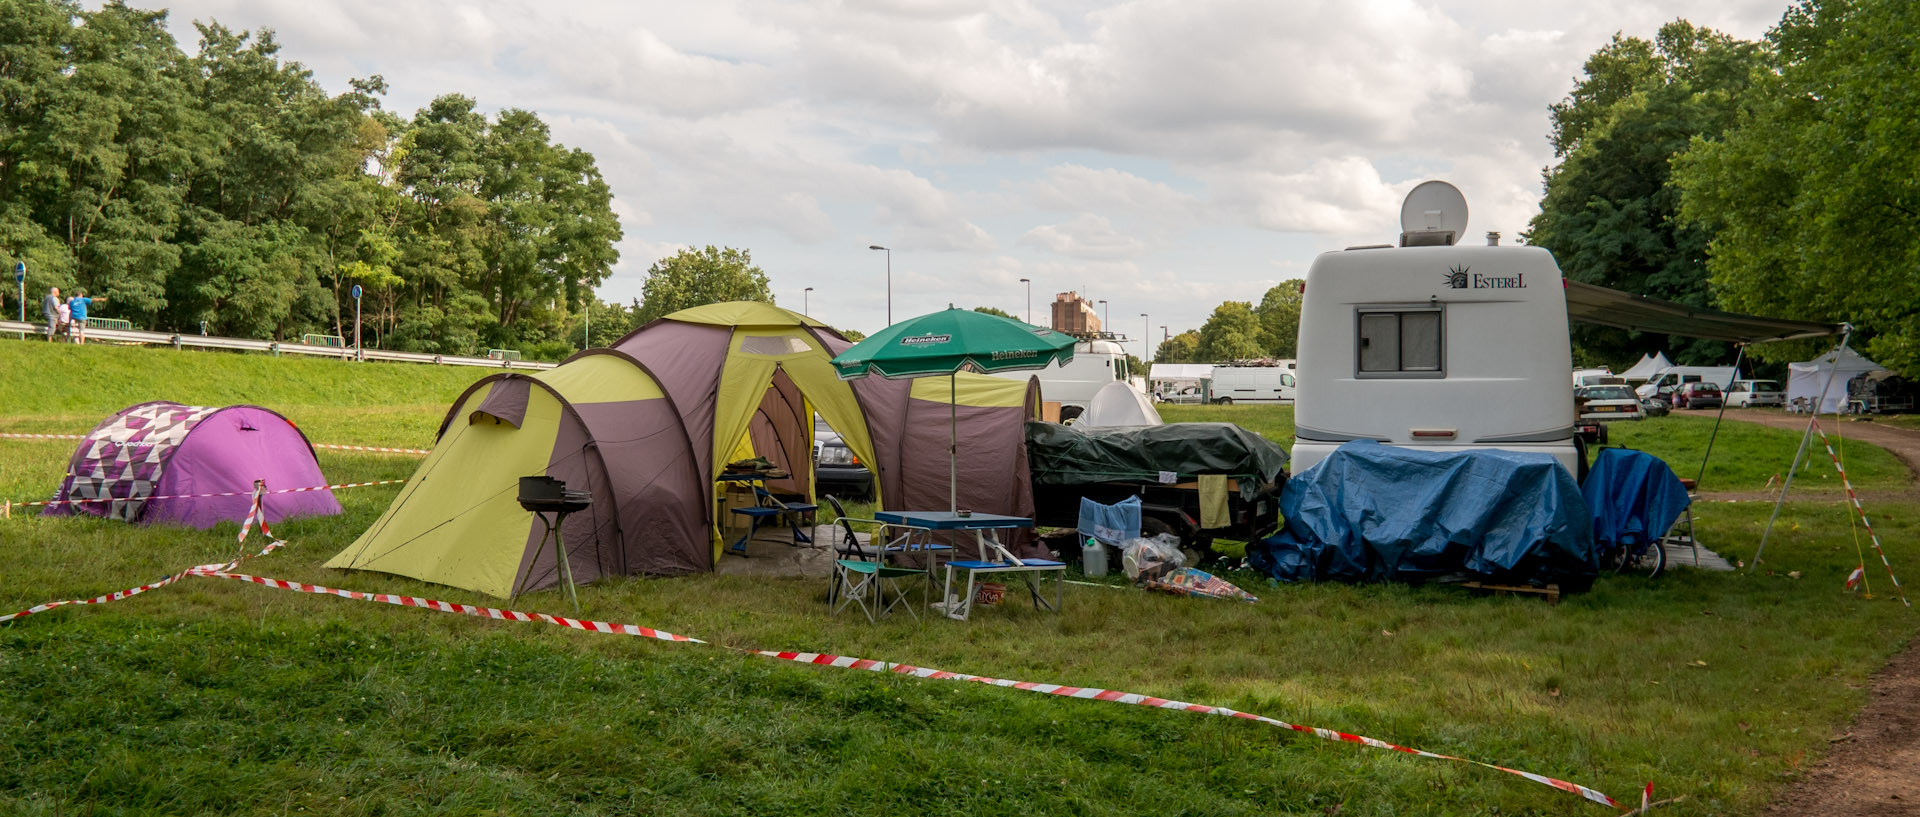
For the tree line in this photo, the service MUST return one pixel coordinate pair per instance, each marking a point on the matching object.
(226, 189)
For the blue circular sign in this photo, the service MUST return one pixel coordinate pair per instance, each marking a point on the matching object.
(356, 292)
(19, 271)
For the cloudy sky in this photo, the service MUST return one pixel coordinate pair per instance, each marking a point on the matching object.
(1164, 155)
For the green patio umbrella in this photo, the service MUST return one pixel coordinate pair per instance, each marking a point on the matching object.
(947, 343)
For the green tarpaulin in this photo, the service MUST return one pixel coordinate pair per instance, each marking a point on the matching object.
(1065, 455)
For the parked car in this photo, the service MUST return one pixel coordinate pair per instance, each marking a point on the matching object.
(1697, 395)
(1607, 403)
(1655, 406)
(1750, 393)
(1189, 396)
(835, 469)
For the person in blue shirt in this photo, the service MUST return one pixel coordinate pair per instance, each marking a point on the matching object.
(79, 303)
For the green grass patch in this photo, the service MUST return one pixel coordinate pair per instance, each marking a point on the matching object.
(222, 697)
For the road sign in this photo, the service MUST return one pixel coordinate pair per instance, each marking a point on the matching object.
(20, 272)
(356, 292)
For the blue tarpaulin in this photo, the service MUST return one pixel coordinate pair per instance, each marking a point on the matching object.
(1634, 497)
(1372, 512)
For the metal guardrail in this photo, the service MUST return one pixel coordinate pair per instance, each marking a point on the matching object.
(108, 323)
(313, 339)
(181, 341)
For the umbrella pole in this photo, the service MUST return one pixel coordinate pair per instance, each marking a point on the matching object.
(953, 441)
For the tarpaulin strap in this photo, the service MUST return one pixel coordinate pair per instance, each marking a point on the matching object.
(224, 493)
(848, 662)
(1868, 523)
(253, 514)
(9, 435)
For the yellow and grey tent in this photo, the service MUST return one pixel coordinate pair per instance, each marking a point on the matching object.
(649, 423)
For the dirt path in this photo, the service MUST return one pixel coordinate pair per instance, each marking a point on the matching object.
(1874, 769)
(1904, 443)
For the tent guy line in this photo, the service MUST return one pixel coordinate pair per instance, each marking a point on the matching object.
(204, 496)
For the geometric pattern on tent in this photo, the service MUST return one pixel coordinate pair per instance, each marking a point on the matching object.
(166, 449)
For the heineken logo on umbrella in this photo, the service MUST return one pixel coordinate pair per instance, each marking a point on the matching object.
(915, 340)
(1015, 354)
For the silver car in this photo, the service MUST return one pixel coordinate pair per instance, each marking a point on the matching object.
(1750, 393)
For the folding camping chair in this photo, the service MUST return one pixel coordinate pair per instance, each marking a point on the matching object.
(865, 574)
(1674, 535)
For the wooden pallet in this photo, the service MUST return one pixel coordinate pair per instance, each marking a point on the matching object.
(1551, 591)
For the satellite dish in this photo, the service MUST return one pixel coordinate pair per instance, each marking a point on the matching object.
(1434, 214)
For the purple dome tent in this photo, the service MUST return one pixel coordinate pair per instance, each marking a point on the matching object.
(147, 461)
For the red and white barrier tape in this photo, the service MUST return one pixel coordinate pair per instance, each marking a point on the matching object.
(1855, 498)
(451, 607)
(847, 662)
(375, 449)
(254, 514)
(8, 435)
(201, 496)
(223, 571)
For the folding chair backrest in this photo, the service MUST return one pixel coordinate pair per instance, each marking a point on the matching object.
(849, 544)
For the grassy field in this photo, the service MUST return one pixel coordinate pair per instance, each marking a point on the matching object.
(221, 697)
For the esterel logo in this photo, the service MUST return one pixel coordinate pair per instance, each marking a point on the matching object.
(915, 340)
(1464, 278)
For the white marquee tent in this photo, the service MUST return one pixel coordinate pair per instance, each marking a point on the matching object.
(1807, 379)
(1648, 366)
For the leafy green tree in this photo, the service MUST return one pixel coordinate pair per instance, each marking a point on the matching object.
(992, 311)
(1609, 211)
(854, 335)
(1279, 314)
(696, 277)
(1233, 332)
(1181, 348)
(1811, 199)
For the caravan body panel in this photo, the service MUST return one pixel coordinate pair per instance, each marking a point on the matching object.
(1438, 348)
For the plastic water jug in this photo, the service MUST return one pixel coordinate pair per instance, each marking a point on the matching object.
(1093, 558)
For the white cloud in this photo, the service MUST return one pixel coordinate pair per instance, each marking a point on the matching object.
(1088, 236)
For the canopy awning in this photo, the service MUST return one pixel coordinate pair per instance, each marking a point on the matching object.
(1599, 305)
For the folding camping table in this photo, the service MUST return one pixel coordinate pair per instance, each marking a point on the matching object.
(982, 524)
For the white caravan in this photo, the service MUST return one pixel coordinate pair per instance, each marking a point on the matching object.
(1095, 363)
(1435, 346)
(1254, 384)
(1664, 382)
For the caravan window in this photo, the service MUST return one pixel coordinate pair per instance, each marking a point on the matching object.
(1400, 343)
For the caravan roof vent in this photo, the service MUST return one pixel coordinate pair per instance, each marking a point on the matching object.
(1434, 215)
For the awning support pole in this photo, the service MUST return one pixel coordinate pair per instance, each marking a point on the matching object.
(1702, 476)
(1805, 437)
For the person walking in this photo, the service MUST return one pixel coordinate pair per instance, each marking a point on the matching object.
(78, 306)
(50, 307)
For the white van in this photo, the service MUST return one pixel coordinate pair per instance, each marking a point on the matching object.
(1095, 363)
(1435, 346)
(1253, 384)
(1664, 382)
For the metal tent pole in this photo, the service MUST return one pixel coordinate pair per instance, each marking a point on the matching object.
(1805, 437)
(1698, 478)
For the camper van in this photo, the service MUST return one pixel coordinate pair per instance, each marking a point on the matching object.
(1254, 384)
(1664, 382)
(1434, 346)
(1095, 363)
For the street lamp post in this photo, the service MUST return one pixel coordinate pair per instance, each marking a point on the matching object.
(889, 280)
(1106, 316)
(1029, 283)
(806, 302)
(1146, 335)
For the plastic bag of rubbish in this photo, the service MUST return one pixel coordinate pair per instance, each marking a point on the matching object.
(1189, 581)
(1152, 558)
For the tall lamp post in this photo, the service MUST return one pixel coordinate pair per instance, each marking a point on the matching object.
(1146, 337)
(889, 280)
(806, 302)
(1029, 283)
(1106, 316)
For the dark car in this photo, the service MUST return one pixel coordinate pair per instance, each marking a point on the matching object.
(835, 468)
(1655, 406)
(1697, 395)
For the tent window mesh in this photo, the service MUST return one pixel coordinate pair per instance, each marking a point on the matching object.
(776, 345)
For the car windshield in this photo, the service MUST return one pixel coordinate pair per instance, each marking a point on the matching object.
(1706, 388)
(1609, 393)
(1765, 385)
